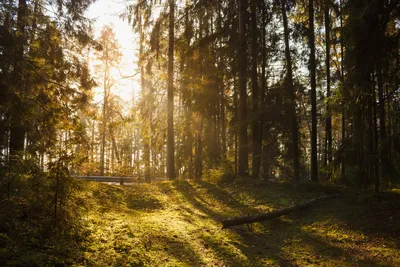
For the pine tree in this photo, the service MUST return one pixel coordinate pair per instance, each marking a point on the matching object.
(170, 107)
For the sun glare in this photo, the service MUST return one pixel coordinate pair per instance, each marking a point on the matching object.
(105, 12)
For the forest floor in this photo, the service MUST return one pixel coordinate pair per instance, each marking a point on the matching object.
(177, 224)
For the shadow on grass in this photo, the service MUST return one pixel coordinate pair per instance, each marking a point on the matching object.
(193, 195)
(280, 242)
(280, 194)
(250, 249)
(374, 215)
(243, 252)
(172, 248)
(269, 244)
(283, 243)
(333, 253)
(108, 196)
(143, 202)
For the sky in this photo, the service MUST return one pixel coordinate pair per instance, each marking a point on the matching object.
(106, 12)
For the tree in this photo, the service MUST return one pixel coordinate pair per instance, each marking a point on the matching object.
(243, 143)
(255, 91)
(343, 91)
(109, 56)
(328, 120)
(216, 67)
(291, 97)
(17, 130)
(314, 161)
(45, 83)
(170, 107)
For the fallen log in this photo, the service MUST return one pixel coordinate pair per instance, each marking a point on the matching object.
(273, 214)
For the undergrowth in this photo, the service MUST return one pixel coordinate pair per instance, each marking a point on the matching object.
(177, 223)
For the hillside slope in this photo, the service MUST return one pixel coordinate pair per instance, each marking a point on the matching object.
(177, 224)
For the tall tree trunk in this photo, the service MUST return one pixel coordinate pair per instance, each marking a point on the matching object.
(221, 64)
(223, 122)
(343, 165)
(104, 127)
(314, 161)
(4, 130)
(188, 100)
(382, 124)
(328, 121)
(371, 161)
(170, 105)
(145, 109)
(376, 140)
(199, 152)
(243, 142)
(254, 83)
(390, 128)
(236, 111)
(263, 149)
(17, 130)
(92, 144)
(113, 155)
(383, 153)
(358, 136)
(292, 98)
(137, 154)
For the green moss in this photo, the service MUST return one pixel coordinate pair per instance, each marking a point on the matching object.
(177, 224)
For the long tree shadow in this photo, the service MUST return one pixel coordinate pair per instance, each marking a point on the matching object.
(225, 202)
(241, 252)
(253, 249)
(172, 249)
(282, 193)
(374, 215)
(284, 243)
(357, 221)
(319, 245)
(281, 241)
(143, 202)
(331, 252)
(370, 214)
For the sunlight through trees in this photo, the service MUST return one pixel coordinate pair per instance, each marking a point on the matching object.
(255, 91)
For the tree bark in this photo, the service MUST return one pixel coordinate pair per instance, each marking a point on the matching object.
(255, 94)
(376, 140)
(104, 123)
(188, 99)
(292, 98)
(383, 153)
(222, 101)
(146, 132)
(236, 110)
(328, 121)
(243, 142)
(343, 165)
(198, 153)
(371, 161)
(263, 149)
(170, 104)
(314, 161)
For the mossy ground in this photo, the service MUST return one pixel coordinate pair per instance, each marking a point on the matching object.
(177, 224)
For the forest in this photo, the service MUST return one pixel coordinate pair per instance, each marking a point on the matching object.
(229, 133)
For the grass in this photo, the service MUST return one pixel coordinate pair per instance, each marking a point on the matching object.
(177, 224)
